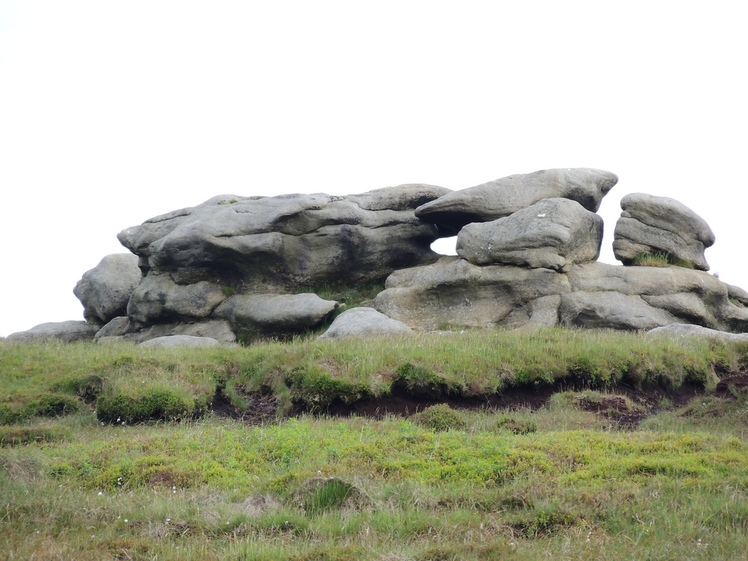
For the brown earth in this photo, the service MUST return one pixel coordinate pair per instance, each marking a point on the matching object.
(625, 407)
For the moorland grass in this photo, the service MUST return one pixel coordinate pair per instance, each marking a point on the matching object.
(134, 384)
(554, 482)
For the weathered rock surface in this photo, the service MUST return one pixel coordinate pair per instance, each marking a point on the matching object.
(215, 329)
(453, 292)
(64, 331)
(364, 322)
(158, 299)
(552, 234)
(650, 224)
(105, 290)
(171, 341)
(274, 315)
(262, 244)
(688, 330)
(507, 195)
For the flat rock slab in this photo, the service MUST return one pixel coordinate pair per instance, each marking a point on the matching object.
(552, 233)
(364, 322)
(171, 341)
(689, 330)
(507, 195)
(660, 225)
(65, 331)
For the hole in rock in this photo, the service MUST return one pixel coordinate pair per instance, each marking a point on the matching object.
(445, 246)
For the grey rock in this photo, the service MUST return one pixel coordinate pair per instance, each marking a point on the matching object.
(650, 224)
(171, 341)
(688, 330)
(159, 299)
(455, 293)
(507, 195)
(64, 331)
(116, 327)
(105, 290)
(274, 315)
(737, 294)
(215, 329)
(364, 322)
(263, 244)
(611, 310)
(552, 233)
(684, 295)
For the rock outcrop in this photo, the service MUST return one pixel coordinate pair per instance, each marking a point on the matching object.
(552, 233)
(505, 196)
(247, 267)
(105, 290)
(664, 226)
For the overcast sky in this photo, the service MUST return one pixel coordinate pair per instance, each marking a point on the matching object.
(114, 112)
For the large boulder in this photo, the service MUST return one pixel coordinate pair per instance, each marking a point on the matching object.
(660, 225)
(64, 331)
(364, 322)
(455, 293)
(288, 242)
(507, 195)
(274, 315)
(552, 233)
(105, 290)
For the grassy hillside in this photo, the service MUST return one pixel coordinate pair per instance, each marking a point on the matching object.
(127, 453)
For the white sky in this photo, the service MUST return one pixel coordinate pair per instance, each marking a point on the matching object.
(114, 112)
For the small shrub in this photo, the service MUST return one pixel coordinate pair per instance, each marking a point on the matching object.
(440, 417)
(321, 494)
(516, 426)
(317, 389)
(52, 405)
(153, 404)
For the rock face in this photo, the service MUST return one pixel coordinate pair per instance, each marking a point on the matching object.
(552, 234)
(452, 292)
(364, 322)
(660, 225)
(263, 244)
(455, 293)
(105, 290)
(275, 315)
(507, 195)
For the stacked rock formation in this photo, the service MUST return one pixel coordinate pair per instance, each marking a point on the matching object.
(527, 247)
